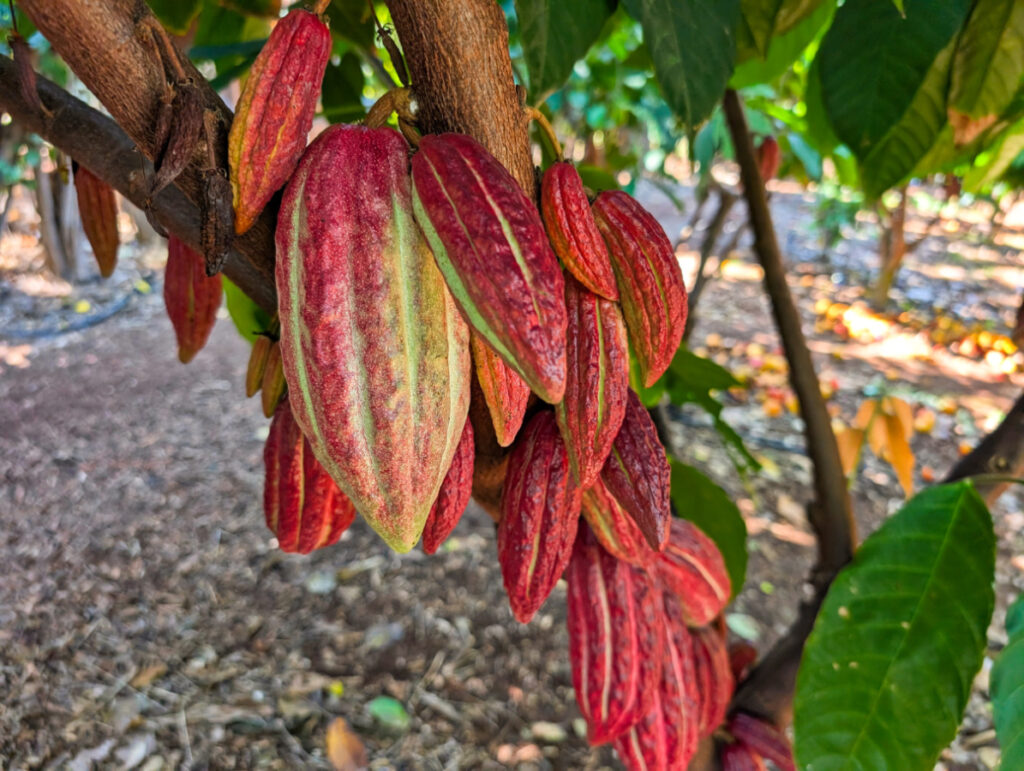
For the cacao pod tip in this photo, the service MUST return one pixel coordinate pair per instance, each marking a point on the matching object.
(185, 355)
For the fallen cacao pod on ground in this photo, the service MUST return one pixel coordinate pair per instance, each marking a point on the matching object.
(275, 112)
(302, 505)
(489, 242)
(692, 568)
(97, 207)
(454, 495)
(504, 390)
(191, 297)
(375, 353)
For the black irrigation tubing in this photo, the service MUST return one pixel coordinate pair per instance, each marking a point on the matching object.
(92, 320)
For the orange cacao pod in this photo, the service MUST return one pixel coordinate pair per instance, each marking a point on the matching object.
(540, 509)
(692, 568)
(616, 639)
(97, 206)
(650, 283)
(489, 241)
(302, 505)
(762, 739)
(596, 380)
(191, 297)
(505, 392)
(573, 232)
(275, 112)
(454, 495)
(614, 528)
(637, 473)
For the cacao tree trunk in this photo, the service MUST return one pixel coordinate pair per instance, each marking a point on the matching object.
(891, 249)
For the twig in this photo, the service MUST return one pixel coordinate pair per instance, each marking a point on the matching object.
(1001, 453)
(707, 248)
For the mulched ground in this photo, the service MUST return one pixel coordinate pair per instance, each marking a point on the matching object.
(148, 621)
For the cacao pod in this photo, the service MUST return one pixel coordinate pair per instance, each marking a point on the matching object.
(97, 206)
(191, 298)
(275, 112)
(302, 505)
(454, 495)
(762, 739)
(614, 528)
(616, 639)
(768, 158)
(490, 243)
(257, 364)
(738, 757)
(375, 354)
(540, 508)
(505, 392)
(692, 568)
(596, 380)
(650, 283)
(273, 386)
(637, 473)
(742, 657)
(573, 232)
(714, 676)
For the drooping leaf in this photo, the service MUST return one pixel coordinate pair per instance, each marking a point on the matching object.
(710, 508)
(1007, 689)
(996, 159)
(249, 318)
(342, 91)
(555, 35)
(987, 66)
(693, 46)
(176, 15)
(783, 49)
(887, 671)
(765, 20)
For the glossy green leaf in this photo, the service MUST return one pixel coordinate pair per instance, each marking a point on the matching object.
(764, 20)
(555, 35)
(710, 508)
(1006, 686)
(693, 46)
(995, 160)
(342, 91)
(176, 15)
(888, 668)
(267, 8)
(783, 49)
(989, 59)
(249, 318)
(225, 31)
(351, 20)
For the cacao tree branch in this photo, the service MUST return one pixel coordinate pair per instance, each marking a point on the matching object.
(768, 690)
(999, 453)
(99, 144)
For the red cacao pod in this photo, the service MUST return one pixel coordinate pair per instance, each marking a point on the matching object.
(275, 112)
(768, 158)
(614, 528)
(714, 676)
(454, 495)
(763, 739)
(97, 207)
(738, 757)
(573, 232)
(302, 505)
(505, 392)
(616, 639)
(742, 657)
(375, 354)
(651, 287)
(540, 509)
(692, 568)
(490, 243)
(596, 380)
(191, 298)
(637, 473)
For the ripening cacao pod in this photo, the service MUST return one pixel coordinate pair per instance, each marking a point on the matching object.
(692, 568)
(490, 243)
(713, 674)
(763, 739)
(273, 386)
(505, 392)
(540, 509)
(97, 206)
(768, 158)
(614, 528)
(742, 657)
(650, 283)
(191, 298)
(573, 232)
(302, 505)
(454, 495)
(637, 473)
(616, 639)
(257, 363)
(666, 738)
(275, 112)
(596, 380)
(375, 353)
(738, 757)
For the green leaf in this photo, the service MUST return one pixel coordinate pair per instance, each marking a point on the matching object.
(888, 668)
(883, 80)
(783, 49)
(176, 15)
(693, 46)
(268, 8)
(763, 20)
(389, 713)
(249, 318)
(342, 91)
(555, 35)
(351, 20)
(709, 507)
(225, 30)
(989, 60)
(995, 160)
(1007, 689)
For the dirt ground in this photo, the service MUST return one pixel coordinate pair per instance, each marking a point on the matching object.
(148, 621)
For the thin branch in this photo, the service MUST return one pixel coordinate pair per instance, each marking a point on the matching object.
(707, 248)
(1000, 454)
